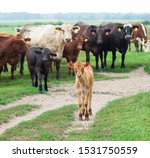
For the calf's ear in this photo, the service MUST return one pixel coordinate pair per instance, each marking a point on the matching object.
(107, 31)
(76, 29)
(71, 64)
(120, 28)
(86, 64)
(38, 52)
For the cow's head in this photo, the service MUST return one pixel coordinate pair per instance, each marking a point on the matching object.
(127, 31)
(145, 44)
(20, 43)
(91, 34)
(79, 68)
(66, 31)
(45, 53)
(79, 39)
(102, 34)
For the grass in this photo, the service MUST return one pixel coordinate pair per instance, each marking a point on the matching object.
(51, 125)
(123, 119)
(20, 110)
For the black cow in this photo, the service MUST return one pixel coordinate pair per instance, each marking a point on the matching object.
(113, 37)
(39, 63)
(90, 39)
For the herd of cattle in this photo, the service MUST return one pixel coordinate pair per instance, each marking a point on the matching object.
(47, 43)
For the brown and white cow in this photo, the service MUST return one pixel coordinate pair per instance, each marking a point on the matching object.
(84, 85)
(139, 36)
(11, 46)
(53, 37)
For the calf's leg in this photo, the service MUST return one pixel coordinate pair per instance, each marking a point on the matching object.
(58, 70)
(45, 82)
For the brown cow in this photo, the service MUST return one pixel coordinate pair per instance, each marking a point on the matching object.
(11, 46)
(72, 50)
(84, 84)
(139, 36)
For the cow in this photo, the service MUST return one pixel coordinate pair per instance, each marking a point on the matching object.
(38, 63)
(11, 46)
(72, 50)
(84, 84)
(53, 37)
(90, 39)
(139, 37)
(116, 38)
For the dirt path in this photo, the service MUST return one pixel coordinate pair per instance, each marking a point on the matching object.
(103, 92)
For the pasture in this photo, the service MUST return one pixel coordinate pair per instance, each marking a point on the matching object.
(131, 121)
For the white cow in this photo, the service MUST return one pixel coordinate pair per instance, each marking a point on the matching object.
(53, 37)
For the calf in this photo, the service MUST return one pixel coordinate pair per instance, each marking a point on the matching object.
(72, 50)
(38, 64)
(84, 84)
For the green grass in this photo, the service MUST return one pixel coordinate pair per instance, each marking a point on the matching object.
(19, 110)
(51, 125)
(123, 119)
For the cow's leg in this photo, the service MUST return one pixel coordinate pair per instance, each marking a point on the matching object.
(36, 80)
(105, 57)
(101, 57)
(79, 101)
(96, 60)
(86, 105)
(5, 68)
(123, 58)
(32, 75)
(137, 46)
(90, 98)
(22, 57)
(141, 47)
(13, 68)
(58, 70)
(45, 82)
(87, 56)
(113, 59)
(40, 81)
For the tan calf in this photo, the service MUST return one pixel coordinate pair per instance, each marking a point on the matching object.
(84, 84)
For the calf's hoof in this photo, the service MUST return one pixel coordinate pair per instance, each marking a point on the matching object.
(80, 117)
(46, 89)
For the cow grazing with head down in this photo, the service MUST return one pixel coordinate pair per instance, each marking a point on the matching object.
(139, 37)
(84, 84)
(38, 63)
(90, 39)
(51, 37)
(118, 38)
(72, 50)
(11, 46)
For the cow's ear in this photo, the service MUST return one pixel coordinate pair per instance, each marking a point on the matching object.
(93, 31)
(38, 52)
(135, 28)
(71, 64)
(107, 31)
(58, 29)
(86, 64)
(27, 39)
(76, 29)
(120, 28)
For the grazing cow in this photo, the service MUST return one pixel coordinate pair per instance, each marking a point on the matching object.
(90, 39)
(84, 84)
(72, 50)
(139, 36)
(38, 63)
(118, 38)
(11, 46)
(51, 37)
